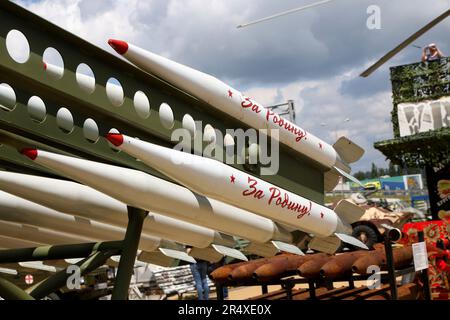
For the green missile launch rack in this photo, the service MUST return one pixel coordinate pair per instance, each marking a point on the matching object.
(75, 121)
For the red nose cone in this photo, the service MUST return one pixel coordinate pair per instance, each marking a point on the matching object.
(30, 153)
(121, 47)
(115, 138)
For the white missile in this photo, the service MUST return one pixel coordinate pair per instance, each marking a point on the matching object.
(229, 100)
(219, 181)
(32, 236)
(15, 209)
(40, 235)
(34, 217)
(14, 243)
(80, 200)
(142, 190)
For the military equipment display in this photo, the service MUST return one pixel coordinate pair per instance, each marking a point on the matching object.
(216, 180)
(226, 99)
(145, 191)
(92, 178)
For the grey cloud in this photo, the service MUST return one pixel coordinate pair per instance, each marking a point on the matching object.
(363, 87)
(316, 49)
(90, 8)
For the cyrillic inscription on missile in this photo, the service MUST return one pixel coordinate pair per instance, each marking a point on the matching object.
(277, 198)
(247, 103)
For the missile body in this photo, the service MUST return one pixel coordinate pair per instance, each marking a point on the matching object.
(219, 181)
(14, 243)
(227, 99)
(76, 199)
(19, 210)
(39, 235)
(142, 190)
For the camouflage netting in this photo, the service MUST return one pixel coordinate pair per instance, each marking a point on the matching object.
(414, 83)
(420, 150)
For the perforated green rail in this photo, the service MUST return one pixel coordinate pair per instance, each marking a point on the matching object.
(73, 118)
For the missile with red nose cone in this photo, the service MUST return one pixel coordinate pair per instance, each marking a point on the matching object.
(219, 181)
(229, 100)
(80, 200)
(142, 190)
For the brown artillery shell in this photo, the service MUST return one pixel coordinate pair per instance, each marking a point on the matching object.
(402, 258)
(341, 265)
(361, 264)
(311, 268)
(282, 267)
(245, 271)
(220, 275)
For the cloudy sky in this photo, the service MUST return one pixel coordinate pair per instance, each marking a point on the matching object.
(312, 57)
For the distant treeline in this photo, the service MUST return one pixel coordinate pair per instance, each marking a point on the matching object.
(392, 171)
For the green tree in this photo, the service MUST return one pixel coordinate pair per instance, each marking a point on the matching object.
(392, 171)
(360, 175)
(374, 171)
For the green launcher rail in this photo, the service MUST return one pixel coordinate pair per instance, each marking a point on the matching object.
(60, 115)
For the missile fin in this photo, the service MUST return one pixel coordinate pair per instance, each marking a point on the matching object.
(286, 247)
(330, 180)
(230, 252)
(207, 254)
(12, 266)
(57, 263)
(351, 240)
(12, 272)
(158, 258)
(328, 245)
(348, 176)
(180, 255)
(265, 250)
(348, 211)
(73, 260)
(38, 265)
(348, 151)
(113, 261)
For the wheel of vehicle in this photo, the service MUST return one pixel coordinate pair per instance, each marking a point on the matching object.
(366, 235)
